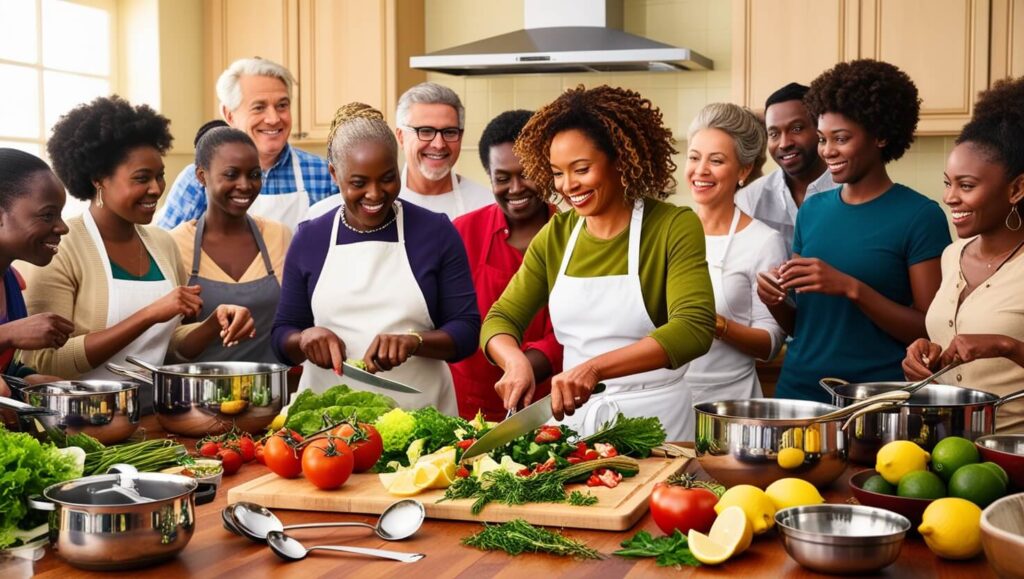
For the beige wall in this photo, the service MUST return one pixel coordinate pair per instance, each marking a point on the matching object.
(701, 25)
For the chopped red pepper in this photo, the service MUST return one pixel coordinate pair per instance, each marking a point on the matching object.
(594, 481)
(583, 453)
(609, 478)
(547, 466)
(548, 434)
(524, 472)
(464, 444)
(462, 472)
(605, 450)
(574, 459)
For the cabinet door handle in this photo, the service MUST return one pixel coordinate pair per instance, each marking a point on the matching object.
(301, 135)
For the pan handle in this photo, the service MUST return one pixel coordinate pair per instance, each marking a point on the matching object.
(886, 398)
(868, 410)
(141, 363)
(129, 373)
(1009, 398)
(829, 385)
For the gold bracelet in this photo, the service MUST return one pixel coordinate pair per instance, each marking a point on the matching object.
(419, 337)
(725, 329)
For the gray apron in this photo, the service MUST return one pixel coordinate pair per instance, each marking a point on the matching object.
(260, 296)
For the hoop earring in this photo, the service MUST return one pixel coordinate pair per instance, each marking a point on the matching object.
(1014, 214)
(99, 197)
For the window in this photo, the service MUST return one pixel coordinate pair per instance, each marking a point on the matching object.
(54, 55)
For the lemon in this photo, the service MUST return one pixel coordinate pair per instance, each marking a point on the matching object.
(951, 528)
(440, 458)
(792, 438)
(404, 484)
(278, 422)
(707, 551)
(790, 458)
(755, 503)
(447, 476)
(425, 475)
(793, 492)
(732, 528)
(233, 406)
(812, 441)
(899, 457)
(387, 478)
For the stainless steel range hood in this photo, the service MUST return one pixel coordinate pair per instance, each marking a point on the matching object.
(563, 36)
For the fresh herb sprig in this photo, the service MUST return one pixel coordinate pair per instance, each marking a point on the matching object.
(578, 499)
(544, 487)
(517, 536)
(630, 436)
(671, 551)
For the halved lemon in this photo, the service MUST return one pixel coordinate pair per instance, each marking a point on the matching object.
(388, 478)
(404, 484)
(440, 458)
(707, 551)
(425, 475)
(732, 527)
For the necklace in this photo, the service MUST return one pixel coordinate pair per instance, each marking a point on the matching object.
(368, 231)
(1008, 254)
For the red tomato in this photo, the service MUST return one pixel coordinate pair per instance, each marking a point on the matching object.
(209, 448)
(281, 455)
(259, 453)
(247, 448)
(365, 442)
(230, 459)
(676, 506)
(327, 462)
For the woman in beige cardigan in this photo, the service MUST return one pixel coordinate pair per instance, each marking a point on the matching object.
(121, 283)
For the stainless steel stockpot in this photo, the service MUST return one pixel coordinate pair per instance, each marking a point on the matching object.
(122, 520)
(106, 410)
(208, 397)
(932, 413)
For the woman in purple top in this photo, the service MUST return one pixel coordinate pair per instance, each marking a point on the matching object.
(377, 279)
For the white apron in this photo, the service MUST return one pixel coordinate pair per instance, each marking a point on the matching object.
(595, 315)
(124, 298)
(724, 373)
(460, 204)
(288, 208)
(366, 289)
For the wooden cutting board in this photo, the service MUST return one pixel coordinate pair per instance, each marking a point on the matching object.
(617, 509)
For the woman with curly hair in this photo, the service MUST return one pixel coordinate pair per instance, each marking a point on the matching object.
(378, 279)
(234, 256)
(623, 273)
(724, 143)
(976, 317)
(865, 263)
(119, 281)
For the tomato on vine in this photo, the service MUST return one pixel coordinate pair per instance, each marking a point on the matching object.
(327, 462)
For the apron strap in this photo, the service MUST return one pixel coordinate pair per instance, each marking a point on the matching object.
(259, 243)
(197, 249)
(636, 222)
(399, 220)
(720, 262)
(300, 183)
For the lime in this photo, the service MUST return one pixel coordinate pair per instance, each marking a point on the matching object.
(998, 470)
(952, 453)
(977, 483)
(877, 484)
(921, 484)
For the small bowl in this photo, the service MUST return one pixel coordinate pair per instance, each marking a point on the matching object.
(1006, 450)
(911, 508)
(842, 539)
(213, 479)
(1002, 535)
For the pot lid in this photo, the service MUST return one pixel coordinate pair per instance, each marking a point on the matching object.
(120, 489)
(79, 388)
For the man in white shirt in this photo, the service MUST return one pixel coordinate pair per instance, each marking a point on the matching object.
(793, 144)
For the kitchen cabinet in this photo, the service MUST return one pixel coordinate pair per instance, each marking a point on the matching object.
(944, 45)
(1007, 39)
(338, 50)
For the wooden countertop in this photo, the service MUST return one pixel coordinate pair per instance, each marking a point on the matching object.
(215, 552)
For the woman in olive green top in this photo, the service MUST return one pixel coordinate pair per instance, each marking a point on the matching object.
(623, 274)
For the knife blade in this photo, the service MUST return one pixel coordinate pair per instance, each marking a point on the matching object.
(527, 419)
(378, 381)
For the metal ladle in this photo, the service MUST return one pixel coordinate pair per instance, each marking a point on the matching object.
(399, 521)
(290, 549)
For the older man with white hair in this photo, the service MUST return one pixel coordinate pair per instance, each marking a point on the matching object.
(255, 96)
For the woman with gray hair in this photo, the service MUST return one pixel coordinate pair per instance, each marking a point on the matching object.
(376, 279)
(724, 143)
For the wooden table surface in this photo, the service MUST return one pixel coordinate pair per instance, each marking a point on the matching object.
(215, 552)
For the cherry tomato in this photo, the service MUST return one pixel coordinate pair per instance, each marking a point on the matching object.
(365, 442)
(327, 462)
(259, 453)
(209, 448)
(675, 505)
(465, 444)
(281, 455)
(230, 459)
(462, 472)
(247, 448)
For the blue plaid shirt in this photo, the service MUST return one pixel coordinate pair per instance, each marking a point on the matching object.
(187, 199)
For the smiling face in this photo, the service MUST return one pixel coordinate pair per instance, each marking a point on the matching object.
(31, 228)
(369, 185)
(849, 151)
(513, 192)
(792, 139)
(132, 192)
(978, 193)
(436, 158)
(584, 175)
(234, 178)
(712, 167)
(265, 114)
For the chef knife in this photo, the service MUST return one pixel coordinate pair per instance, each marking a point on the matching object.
(378, 381)
(527, 419)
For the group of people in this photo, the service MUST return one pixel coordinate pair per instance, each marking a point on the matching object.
(488, 299)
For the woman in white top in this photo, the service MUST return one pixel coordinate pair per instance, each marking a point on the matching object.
(724, 141)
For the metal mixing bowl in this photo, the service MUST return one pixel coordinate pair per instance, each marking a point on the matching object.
(842, 539)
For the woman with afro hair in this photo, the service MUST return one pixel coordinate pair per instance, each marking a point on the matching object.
(119, 280)
(976, 317)
(865, 263)
(623, 273)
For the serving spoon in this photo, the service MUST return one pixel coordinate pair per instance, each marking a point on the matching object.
(290, 549)
(399, 521)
